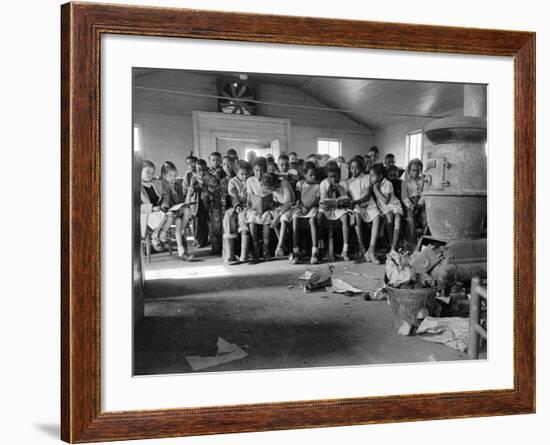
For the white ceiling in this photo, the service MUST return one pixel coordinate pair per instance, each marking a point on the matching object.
(372, 103)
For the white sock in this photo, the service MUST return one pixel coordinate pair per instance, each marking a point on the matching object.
(181, 251)
(346, 248)
(314, 250)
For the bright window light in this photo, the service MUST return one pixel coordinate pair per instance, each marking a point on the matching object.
(187, 273)
(414, 145)
(332, 147)
(137, 139)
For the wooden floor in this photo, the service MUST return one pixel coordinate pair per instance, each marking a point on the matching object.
(262, 309)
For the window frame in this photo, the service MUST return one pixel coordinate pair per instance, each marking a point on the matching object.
(317, 139)
(419, 131)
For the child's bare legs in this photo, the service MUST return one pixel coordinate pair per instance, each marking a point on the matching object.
(255, 241)
(359, 232)
(396, 231)
(181, 225)
(411, 225)
(245, 243)
(168, 221)
(295, 233)
(156, 231)
(375, 228)
(265, 232)
(181, 239)
(295, 256)
(155, 234)
(389, 227)
(322, 224)
(230, 233)
(313, 228)
(314, 248)
(282, 232)
(245, 235)
(345, 236)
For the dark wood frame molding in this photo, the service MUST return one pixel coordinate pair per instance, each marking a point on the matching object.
(82, 25)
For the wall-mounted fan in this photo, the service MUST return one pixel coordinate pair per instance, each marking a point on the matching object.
(237, 95)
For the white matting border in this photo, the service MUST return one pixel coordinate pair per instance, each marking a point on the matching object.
(120, 391)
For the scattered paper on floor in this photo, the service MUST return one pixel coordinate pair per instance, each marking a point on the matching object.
(341, 287)
(320, 277)
(227, 352)
(451, 331)
(306, 275)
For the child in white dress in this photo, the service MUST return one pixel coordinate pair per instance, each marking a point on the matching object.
(283, 201)
(328, 189)
(152, 214)
(234, 220)
(307, 206)
(252, 217)
(411, 196)
(365, 209)
(389, 205)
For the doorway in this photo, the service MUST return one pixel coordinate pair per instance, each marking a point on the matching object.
(220, 132)
(244, 146)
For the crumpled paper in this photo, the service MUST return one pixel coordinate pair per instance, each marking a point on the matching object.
(341, 287)
(451, 331)
(319, 278)
(227, 352)
(398, 269)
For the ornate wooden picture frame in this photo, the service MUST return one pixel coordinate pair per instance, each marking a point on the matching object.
(82, 26)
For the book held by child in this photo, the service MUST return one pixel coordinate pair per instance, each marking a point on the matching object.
(261, 204)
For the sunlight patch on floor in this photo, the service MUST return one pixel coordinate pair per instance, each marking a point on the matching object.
(178, 273)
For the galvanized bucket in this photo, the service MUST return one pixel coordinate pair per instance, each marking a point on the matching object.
(407, 303)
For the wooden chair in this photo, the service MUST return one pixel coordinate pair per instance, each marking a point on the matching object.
(146, 242)
(477, 292)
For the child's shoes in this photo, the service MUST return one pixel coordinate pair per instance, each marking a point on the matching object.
(314, 258)
(183, 255)
(295, 257)
(186, 257)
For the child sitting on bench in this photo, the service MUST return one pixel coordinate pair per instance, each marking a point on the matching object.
(306, 208)
(330, 190)
(389, 205)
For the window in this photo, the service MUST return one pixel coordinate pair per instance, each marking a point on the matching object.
(138, 146)
(332, 147)
(414, 145)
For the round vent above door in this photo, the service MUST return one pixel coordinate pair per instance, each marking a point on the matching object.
(237, 96)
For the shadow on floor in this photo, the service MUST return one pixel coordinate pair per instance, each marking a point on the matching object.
(164, 343)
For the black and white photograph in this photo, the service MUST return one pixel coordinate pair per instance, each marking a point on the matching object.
(289, 221)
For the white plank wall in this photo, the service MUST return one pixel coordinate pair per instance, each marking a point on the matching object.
(167, 125)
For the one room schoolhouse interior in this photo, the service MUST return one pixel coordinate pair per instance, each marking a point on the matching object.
(290, 221)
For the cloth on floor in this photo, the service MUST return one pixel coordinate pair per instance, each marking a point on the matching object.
(451, 331)
(227, 352)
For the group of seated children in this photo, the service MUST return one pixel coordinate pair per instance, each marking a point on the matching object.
(260, 195)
